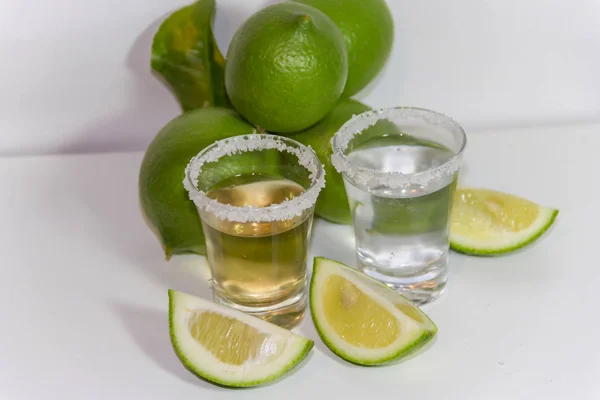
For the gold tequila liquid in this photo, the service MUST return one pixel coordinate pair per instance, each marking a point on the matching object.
(258, 266)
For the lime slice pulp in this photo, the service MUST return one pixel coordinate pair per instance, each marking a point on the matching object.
(487, 222)
(362, 320)
(229, 348)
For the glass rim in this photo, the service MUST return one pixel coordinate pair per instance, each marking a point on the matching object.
(287, 209)
(371, 177)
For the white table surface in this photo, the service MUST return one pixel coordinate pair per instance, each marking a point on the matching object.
(83, 289)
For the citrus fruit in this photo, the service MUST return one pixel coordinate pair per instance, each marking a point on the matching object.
(368, 29)
(486, 222)
(230, 348)
(360, 319)
(332, 203)
(286, 67)
(163, 198)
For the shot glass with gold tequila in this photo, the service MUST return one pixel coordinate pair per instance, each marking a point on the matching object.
(255, 196)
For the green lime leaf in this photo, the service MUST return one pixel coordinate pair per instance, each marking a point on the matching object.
(186, 56)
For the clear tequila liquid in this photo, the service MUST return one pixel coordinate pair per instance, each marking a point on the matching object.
(259, 267)
(402, 234)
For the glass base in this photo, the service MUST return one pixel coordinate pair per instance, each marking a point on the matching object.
(420, 284)
(286, 314)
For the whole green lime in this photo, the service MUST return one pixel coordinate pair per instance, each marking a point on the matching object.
(368, 29)
(286, 67)
(164, 200)
(332, 203)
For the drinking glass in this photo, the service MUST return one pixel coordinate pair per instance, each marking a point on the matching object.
(255, 196)
(400, 168)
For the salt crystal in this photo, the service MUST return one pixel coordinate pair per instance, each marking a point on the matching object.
(239, 144)
(370, 178)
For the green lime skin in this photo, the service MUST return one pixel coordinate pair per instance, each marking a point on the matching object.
(368, 29)
(332, 204)
(286, 67)
(163, 199)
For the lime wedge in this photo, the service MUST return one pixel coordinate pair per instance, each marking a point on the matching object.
(229, 348)
(486, 222)
(362, 320)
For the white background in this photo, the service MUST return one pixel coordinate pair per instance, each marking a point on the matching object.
(75, 74)
(83, 281)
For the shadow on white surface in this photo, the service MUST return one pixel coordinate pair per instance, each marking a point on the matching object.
(134, 129)
(369, 91)
(140, 122)
(308, 330)
(333, 241)
(271, 2)
(230, 16)
(103, 201)
(149, 329)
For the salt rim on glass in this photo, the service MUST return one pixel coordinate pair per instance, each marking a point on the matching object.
(371, 178)
(239, 144)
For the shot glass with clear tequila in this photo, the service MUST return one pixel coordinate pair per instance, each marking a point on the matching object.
(400, 168)
(255, 196)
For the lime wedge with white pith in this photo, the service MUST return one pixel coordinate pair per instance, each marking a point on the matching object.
(362, 320)
(228, 347)
(487, 223)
